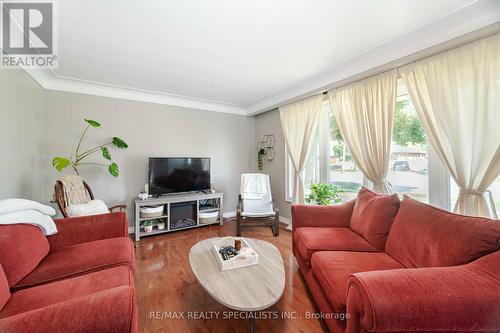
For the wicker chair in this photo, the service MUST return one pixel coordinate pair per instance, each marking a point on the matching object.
(61, 202)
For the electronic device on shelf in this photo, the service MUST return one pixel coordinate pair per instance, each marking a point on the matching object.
(169, 175)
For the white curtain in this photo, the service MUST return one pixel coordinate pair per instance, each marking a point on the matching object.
(364, 112)
(300, 122)
(456, 95)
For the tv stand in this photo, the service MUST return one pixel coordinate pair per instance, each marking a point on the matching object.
(181, 211)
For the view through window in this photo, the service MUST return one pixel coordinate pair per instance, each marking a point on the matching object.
(342, 170)
(409, 159)
(331, 162)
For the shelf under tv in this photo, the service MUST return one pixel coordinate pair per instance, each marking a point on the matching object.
(176, 205)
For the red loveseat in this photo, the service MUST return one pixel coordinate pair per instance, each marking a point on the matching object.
(78, 280)
(378, 265)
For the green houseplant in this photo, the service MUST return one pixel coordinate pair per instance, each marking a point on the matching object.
(260, 158)
(148, 226)
(79, 158)
(323, 194)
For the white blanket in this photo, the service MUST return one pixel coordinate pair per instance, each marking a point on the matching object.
(31, 216)
(16, 204)
(254, 186)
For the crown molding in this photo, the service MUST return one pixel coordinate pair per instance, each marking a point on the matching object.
(474, 21)
(48, 80)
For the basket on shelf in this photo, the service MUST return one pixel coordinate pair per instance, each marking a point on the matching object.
(208, 217)
(148, 212)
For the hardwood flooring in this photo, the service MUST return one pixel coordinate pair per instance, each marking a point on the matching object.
(166, 287)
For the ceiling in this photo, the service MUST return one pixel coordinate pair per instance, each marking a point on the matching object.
(230, 55)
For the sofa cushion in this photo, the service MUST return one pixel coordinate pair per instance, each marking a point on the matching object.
(313, 239)
(425, 236)
(373, 215)
(80, 259)
(22, 247)
(4, 289)
(332, 270)
(52, 293)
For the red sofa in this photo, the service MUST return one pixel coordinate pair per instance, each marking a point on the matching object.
(78, 280)
(380, 265)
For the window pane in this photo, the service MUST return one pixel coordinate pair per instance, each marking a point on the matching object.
(495, 191)
(343, 172)
(408, 162)
(312, 167)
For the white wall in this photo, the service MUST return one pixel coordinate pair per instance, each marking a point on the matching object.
(21, 134)
(150, 130)
(269, 123)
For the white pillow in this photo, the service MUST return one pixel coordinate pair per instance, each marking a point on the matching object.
(15, 205)
(93, 207)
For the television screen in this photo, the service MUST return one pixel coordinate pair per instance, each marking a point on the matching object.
(178, 174)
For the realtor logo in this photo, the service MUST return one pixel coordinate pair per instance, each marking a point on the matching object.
(28, 34)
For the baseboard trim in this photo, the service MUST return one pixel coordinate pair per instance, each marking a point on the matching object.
(285, 220)
(229, 214)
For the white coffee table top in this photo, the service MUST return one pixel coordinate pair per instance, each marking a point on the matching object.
(251, 288)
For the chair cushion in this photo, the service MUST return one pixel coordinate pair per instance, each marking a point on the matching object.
(93, 207)
(80, 259)
(52, 293)
(267, 214)
(313, 239)
(425, 236)
(4, 289)
(332, 270)
(22, 247)
(373, 215)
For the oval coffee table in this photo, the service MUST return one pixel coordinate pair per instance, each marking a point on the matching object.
(251, 288)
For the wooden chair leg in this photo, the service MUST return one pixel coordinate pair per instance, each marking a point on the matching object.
(238, 226)
(276, 226)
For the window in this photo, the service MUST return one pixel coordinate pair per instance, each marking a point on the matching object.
(342, 170)
(408, 163)
(312, 168)
(412, 162)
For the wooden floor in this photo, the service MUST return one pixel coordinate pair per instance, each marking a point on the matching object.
(166, 286)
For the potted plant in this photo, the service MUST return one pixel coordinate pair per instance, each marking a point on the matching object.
(79, 158)
(260, 158)
(148, 226)
(323, 194)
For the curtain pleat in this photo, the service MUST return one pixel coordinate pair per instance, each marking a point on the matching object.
(300, 122)
(455, 94)
(364, 113)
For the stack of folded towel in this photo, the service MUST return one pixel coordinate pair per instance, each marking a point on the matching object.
(15, 211)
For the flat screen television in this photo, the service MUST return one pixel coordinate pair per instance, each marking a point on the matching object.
(169, 175)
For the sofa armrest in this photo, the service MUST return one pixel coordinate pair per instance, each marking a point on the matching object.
(111, 311)
(459, 298)
(322, 216)
(75, 230)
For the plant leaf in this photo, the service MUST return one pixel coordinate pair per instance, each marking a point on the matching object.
(119, 143)
(60, 163)
(93, 123)
(113, 169)
(105, 153)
